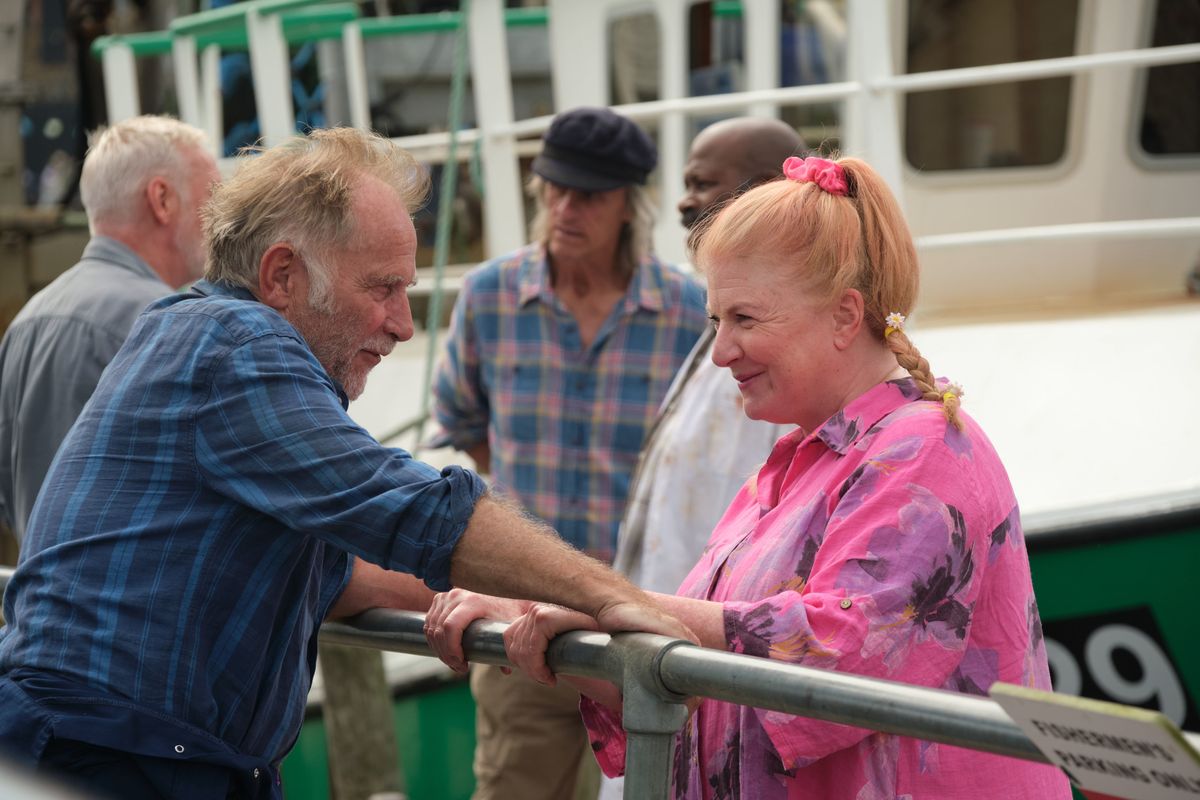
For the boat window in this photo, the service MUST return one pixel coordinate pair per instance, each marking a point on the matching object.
(634, 45)
(1009, 124)
(812, 50)
(1170, 127)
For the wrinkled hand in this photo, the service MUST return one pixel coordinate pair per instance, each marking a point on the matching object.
(647, 618)
(526, 640)
(451, 612)
(644, 617)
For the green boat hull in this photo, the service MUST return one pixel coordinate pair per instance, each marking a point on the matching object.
(435, 734)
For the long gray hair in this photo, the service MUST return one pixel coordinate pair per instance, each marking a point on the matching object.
(637, 236)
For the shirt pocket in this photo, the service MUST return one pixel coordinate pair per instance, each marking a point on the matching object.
(519, 404)
(638, 397)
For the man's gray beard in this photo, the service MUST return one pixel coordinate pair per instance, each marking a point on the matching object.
(332, 346)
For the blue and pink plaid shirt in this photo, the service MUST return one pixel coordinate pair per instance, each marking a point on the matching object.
(564, 424)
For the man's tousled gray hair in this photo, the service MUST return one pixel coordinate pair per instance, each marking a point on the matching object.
(301, 192)
(124, 157)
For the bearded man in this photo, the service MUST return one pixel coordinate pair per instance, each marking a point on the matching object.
(215, 503)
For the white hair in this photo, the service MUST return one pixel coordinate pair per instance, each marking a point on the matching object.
(320, 282)
(124, 157)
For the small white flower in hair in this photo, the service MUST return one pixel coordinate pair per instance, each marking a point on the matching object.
(946, 387)
(894, 322)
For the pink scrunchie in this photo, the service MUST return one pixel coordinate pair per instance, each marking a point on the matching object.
(823, 172)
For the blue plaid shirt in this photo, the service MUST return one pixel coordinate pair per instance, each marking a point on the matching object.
(194, 529)
(564, 424)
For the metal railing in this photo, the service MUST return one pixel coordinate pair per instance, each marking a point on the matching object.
(656, 674)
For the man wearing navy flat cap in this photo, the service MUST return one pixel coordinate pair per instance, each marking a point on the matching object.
(558, 357)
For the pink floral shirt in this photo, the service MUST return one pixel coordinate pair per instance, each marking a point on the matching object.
(886, 544)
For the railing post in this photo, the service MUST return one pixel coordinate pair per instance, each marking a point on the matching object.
(211, 102)
(491, 85)
(673, 129)
(871, 129)
(762, 32)
(187, 79)
(120, 82)
(271, 72)
(652, 714)
(356, 76)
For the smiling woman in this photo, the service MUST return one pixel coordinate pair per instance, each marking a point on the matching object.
(881, 537)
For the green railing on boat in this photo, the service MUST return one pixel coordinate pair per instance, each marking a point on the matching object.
(315, 20)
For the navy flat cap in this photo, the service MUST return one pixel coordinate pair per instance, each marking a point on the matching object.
(594, 150)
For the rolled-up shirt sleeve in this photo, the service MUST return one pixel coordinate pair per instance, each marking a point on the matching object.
(273, 435)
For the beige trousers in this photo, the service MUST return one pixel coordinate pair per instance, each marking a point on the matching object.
(530, 739)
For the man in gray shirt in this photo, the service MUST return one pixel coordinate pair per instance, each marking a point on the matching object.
(143, 184)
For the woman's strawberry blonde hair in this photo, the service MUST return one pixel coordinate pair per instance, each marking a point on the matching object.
(851, 235)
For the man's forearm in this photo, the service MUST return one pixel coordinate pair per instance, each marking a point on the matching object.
(373, 586)
(503, 552)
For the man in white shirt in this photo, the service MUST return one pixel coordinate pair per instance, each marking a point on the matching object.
(702, 447)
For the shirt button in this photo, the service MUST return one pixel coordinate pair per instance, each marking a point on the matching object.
(256, 773)
(846, 603)
(178, 748)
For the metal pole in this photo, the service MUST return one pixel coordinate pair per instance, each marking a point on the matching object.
(187, 80)
(356, 76)
(655, 673)
(491, 89)
(211, 102)
(271, 73)
(932, 714)
(651, 713)
(445, 212)
(120, 82)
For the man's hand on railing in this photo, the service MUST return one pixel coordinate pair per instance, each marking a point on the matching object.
(452, 612)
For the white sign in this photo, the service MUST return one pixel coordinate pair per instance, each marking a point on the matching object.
(1105, 747)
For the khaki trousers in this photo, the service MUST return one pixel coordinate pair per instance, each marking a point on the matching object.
(529, 738)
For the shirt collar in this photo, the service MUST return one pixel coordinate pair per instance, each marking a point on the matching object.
(645, 288)
(222, 289)
(841, 431)
(533, 280)
(105, 248)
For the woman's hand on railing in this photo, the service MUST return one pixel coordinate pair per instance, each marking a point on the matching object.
(451, 612)
(649, 617)
(527, 638)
